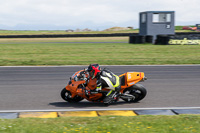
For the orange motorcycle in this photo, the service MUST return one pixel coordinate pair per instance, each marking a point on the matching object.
(81, 87)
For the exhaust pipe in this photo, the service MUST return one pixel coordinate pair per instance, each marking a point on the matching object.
(127, 97)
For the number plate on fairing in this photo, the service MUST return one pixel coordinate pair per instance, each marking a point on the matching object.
(134, 77)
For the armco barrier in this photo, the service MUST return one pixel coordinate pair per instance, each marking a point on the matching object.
(181, 39)
(14, 115)
(68, 35)
(147, 39)
(178, 38)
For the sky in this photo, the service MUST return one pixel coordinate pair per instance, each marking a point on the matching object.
(91, 14)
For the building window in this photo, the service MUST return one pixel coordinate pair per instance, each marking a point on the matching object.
(143, 18)
(155, 17)
(161, 17)
(168, 18)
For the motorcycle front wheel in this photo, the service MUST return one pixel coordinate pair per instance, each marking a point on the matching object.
(137, 91)
(66, 95)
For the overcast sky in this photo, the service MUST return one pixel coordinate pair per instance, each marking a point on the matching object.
(92, 14)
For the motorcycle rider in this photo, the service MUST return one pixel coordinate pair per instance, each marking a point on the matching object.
(105, 79)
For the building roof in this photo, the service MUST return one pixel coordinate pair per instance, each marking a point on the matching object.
(158, 12)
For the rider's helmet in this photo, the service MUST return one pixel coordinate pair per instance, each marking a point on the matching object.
(93, 70)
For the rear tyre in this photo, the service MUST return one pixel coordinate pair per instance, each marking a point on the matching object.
(137, 90)
(66, 95)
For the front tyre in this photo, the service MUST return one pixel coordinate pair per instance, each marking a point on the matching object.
(66, 95)
(137, 91)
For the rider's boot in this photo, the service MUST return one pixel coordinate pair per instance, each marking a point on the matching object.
(111, 97)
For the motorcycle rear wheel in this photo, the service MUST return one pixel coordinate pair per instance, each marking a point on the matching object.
(65, 94)
(138, 91)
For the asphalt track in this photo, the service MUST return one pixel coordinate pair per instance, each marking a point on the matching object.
(38, 88)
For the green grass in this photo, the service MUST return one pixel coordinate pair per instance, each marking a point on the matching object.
(109, 124)
(14, 52)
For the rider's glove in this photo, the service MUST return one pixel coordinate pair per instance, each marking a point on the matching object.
(98, 89)
(87, 92)
(85, 84)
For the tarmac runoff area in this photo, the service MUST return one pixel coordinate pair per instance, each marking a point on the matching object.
(97, 113)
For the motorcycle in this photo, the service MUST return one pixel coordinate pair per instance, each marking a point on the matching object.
(81, 87)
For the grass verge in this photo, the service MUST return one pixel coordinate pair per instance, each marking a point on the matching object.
(59, 52)
(104, 124)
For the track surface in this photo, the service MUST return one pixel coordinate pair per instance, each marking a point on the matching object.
(38, 88)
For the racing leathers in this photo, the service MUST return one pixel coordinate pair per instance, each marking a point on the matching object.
(107, 79)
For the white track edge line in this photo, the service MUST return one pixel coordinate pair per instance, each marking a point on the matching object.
(62, 110)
